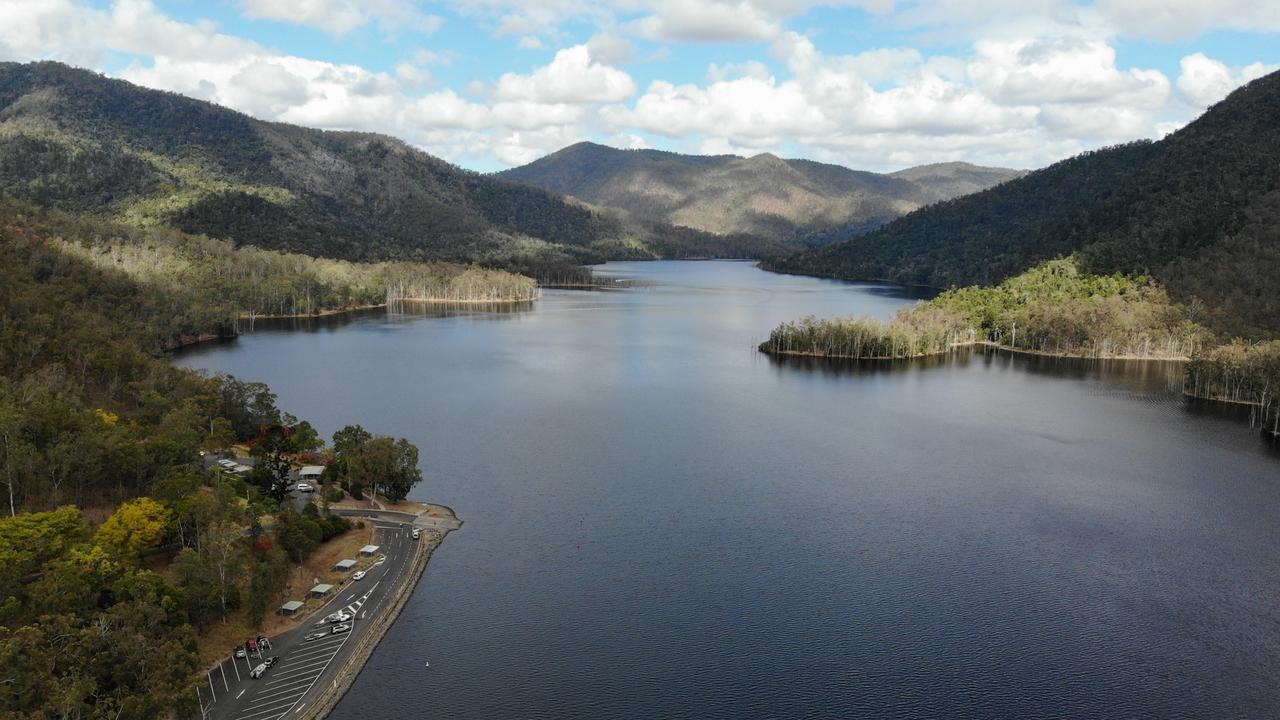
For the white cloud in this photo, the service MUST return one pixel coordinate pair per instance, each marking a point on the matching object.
(1061, 70)
(610, 48)
(572, 77)
(706, 21)
(961, 20)
(1025, 103)
(340, 17)
(1040, 82)
(1177, 19)
(1204, 81)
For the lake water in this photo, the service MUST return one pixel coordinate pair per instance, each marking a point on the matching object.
(663, 523)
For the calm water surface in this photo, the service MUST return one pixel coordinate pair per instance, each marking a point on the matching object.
(663, 523)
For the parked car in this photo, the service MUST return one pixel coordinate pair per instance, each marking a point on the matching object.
(258, 671)
(339, 617)
(271, 661)
(226, 464)
(359, 575)
(416, 533)
(305, 487)
(344, 627)
(315, 636)
(240, 651)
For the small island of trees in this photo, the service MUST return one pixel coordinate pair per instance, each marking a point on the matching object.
(1052, 309)
(1057, 309)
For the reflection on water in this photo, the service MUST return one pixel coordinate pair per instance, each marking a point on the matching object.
(397, 312)
(1133, 377)
(662, 522)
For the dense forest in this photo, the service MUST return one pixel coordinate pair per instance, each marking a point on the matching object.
(1054, 308)
(119, 552)
(1199, 211)
(795, 201)
(219, 282)
(1240, 372)
(76, 141)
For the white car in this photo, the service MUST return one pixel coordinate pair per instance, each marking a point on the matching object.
(358, 576)
(416, 533)
(340, 629)
(257, 672)
(339, 617)
(305, 487)
(226, 464)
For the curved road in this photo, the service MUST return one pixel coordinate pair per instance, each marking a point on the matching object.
(307, 666)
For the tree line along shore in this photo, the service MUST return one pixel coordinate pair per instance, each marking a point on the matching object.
(118, 543)
(1057, 309)
(223, 279)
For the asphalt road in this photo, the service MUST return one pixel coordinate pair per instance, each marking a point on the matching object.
(306, 666)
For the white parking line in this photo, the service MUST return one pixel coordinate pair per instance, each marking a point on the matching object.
(301, 669)
(326, 665)
(277, 708)
(299, 656)
(320, 643)
(290, 689)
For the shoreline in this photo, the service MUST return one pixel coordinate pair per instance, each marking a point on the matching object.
(345, 677)
(374, 306)
(192, 341)
(979, 343)
(1035, 353)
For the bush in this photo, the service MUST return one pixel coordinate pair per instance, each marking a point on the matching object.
(332, 526)
(335, 495)
(239, 485)
(357, 490)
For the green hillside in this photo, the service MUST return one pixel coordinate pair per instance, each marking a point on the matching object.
(77, 141)
(762, 195)
(1199, 211)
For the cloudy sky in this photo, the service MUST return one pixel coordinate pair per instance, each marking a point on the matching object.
(874, 84)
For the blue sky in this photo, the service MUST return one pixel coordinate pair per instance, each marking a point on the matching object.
(873, 84)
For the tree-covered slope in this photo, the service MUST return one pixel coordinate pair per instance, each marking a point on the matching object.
(1198, 210)
(74, 140)
(112, 618)
(762, 195)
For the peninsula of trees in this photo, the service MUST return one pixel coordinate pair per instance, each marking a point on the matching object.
(124, 558)
(1054, 309)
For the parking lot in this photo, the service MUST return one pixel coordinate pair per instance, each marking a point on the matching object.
(310, 654)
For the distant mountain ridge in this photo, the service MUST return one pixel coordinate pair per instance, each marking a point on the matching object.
(762, 195)
(1198, 210)
(75, 140)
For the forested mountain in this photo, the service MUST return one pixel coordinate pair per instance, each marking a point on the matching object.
(74, 140)
(1199, 211)
(761, 195)
(124, 561)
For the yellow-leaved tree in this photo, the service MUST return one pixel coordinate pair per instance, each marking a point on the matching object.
(135, 526)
